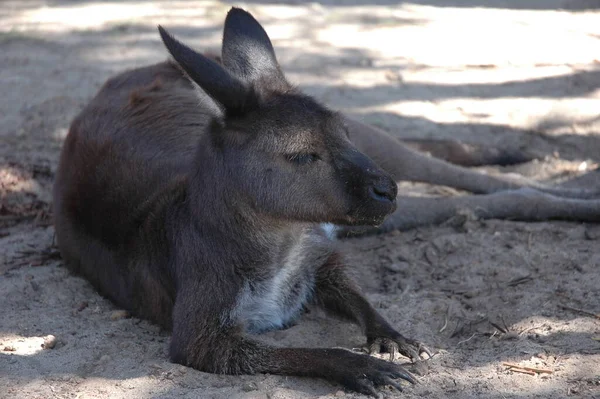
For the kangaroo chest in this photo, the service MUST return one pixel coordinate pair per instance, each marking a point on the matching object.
(274, 301)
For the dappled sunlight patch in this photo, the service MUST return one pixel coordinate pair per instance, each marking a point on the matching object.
(60, 133)
(484, 74)
(142, 386)
(136, 55)
(506, 381)
(94, 387)
(546, 326)
(13, 179)
(89, 16)
(17, 345)
(485, 36)
(518, 112)
(86, 15)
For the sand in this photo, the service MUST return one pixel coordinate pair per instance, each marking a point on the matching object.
(481, 293)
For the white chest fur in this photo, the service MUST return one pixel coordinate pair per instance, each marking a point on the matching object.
(277, 300)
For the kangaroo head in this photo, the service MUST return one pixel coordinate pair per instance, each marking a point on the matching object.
(280, 151)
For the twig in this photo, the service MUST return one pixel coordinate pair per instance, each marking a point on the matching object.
(445, 321)
(585, 312)
(529, 329)
(504, 324)
(530, 369)
(499, 328)
(519, 280)
(466, 340)
(521, 371)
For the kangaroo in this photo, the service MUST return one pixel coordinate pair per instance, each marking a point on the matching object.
(193, 193)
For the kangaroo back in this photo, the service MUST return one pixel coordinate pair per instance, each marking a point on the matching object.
(131, 144)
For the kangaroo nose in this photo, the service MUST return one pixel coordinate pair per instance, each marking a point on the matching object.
(384, 189)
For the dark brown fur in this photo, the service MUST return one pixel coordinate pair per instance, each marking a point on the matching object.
(205, 220)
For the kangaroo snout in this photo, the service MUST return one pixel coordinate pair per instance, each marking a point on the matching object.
(385, 190)
(374, 191)
(379, 200)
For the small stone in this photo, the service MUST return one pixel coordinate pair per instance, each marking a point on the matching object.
(49, 342)
(591, 234)
(9, 348)
(339, 394)
(119, 314)
(393, 267)
(104, 358)
(249, 387)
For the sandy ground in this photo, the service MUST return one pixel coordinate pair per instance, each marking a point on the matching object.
(524, 73)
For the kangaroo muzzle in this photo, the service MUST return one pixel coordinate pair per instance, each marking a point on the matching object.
(372, 191)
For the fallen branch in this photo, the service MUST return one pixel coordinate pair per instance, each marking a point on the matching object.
(526, 369)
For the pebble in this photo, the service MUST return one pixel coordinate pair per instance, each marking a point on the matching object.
(249, 387)
(119, 314)
(49, 342)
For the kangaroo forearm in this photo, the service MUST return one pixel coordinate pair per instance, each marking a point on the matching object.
(350, 369)
(338, 295)
(304, 362)
(354, 307)
(220, 353)
(240, 355)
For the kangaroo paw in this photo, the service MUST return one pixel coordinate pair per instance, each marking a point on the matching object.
(410, 348)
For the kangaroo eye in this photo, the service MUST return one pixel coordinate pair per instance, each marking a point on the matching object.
(302, 158)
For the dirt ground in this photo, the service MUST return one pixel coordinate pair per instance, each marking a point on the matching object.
(481, 293)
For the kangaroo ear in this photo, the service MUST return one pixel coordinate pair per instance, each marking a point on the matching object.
(210, 76)
(247, 50)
